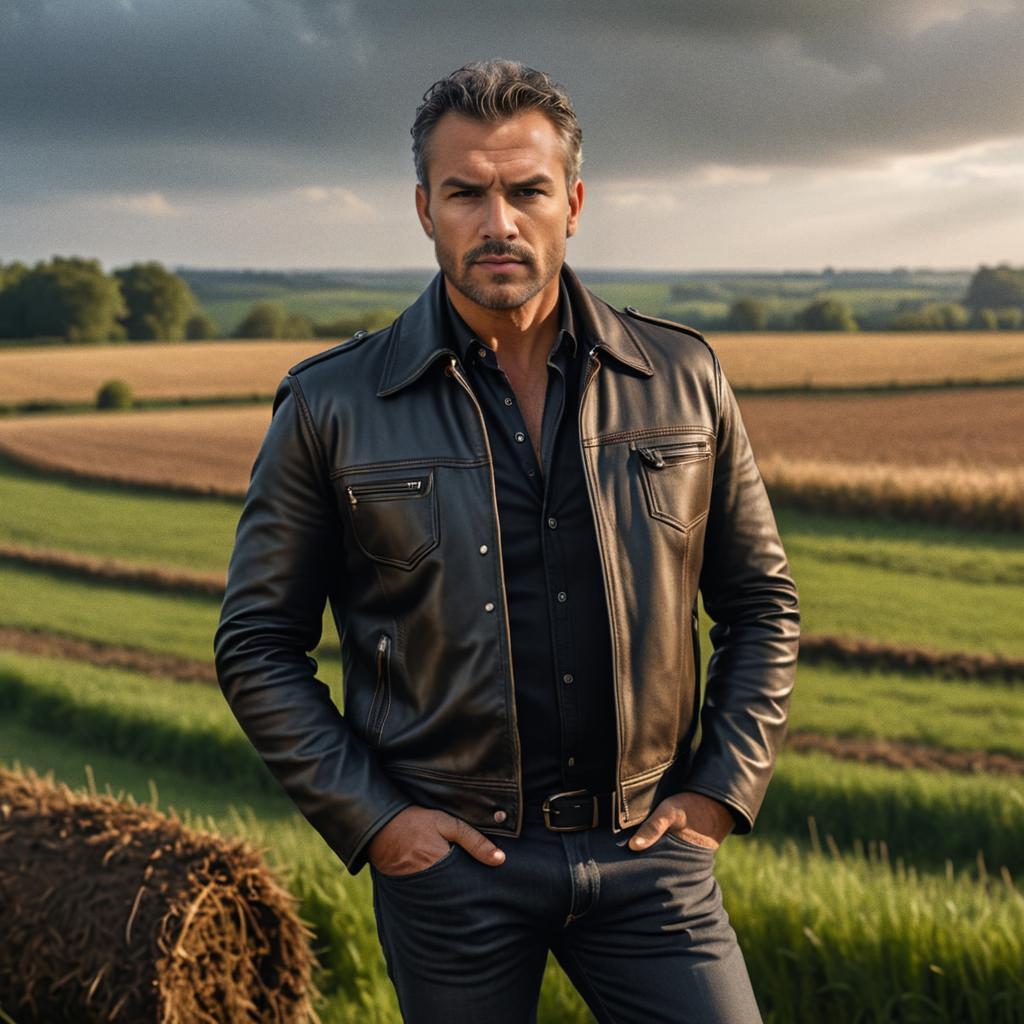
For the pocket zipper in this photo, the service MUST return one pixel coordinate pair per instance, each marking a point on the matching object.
(659, 457)
(381, 695)
(381, 490)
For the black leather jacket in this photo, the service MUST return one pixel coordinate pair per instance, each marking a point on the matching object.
(373, 488)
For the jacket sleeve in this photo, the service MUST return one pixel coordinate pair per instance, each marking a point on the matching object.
(287, 546)
(750, 596)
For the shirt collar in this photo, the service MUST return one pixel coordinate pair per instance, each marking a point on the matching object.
(467, 344)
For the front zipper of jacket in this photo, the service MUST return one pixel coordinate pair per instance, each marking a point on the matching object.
(381, 703)
(617, 797)
(453, 371)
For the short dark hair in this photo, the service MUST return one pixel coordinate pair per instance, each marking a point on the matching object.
(494, 90)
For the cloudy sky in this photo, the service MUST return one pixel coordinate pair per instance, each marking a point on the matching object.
(718, 134)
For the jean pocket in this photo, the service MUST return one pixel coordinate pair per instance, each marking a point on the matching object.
(687, 844)
(444, 860)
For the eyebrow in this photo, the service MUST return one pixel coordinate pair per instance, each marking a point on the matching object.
(460, 183)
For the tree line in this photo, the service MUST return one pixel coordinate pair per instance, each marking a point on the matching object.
(72, 299)
(994, 301)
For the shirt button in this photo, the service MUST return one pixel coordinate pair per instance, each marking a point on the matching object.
(552, 522)
(508, 401)
(482, 353)
(500, 816)
(562, 596)
(520, 436)
(572, 762)
(483, 549)
(489, 607)
(567, 678)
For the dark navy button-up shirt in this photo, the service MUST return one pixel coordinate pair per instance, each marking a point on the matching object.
(561, 644)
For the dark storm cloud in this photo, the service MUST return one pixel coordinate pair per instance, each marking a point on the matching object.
(119, 94)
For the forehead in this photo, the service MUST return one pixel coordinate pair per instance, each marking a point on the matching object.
(525, 143)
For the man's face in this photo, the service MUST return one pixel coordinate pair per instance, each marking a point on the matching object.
(498, 210)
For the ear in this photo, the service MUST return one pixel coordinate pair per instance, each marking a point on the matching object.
(576, 194)
(423, 210)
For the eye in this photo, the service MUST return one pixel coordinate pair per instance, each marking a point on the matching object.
(529, 193)
(462, 194)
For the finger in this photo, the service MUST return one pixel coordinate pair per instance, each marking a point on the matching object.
(652, 829)
(475, 843)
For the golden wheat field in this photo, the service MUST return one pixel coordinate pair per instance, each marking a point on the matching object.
(834, 359)
(196, 369)
(212, 368)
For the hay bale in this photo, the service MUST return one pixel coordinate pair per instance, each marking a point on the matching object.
(112, 911)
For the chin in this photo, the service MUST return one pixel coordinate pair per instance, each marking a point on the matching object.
(499, 294)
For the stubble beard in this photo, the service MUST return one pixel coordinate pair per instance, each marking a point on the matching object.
(502, 291)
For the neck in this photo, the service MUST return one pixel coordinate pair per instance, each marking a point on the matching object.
(521, 336)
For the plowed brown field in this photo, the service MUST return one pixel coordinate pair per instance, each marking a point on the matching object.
(205, 450)
(980, 431)
(213, 368)
(967, 427)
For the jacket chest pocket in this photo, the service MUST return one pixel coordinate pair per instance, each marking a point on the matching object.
(676, 479)
(394, 518)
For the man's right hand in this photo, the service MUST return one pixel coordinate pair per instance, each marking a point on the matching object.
(416, 837)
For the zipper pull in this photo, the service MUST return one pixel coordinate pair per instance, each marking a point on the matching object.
(382, 647)
(653, 456)
(353, 500)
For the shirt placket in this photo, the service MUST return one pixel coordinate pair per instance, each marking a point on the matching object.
(559, 592)
(546, 487)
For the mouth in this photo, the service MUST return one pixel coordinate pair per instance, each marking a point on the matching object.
(499, 263)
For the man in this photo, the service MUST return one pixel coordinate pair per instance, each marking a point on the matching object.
(511, 497)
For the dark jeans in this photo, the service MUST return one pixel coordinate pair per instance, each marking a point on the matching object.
(642, 935)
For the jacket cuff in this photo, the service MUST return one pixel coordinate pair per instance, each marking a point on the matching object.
(742, 815)
(356, 857)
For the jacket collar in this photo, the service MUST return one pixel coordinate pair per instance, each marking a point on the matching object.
(421, 334)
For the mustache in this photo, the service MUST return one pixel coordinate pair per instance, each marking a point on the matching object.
(507, 249)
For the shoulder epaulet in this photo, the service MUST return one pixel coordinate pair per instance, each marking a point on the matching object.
(326, 353)
(671, 324)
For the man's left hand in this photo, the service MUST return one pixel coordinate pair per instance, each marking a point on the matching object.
(692, 816)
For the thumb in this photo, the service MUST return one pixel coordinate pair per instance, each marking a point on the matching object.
(653, 828)
(475, 843)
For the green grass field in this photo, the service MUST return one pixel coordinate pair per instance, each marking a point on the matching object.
(144, 527)
(920, 585)
(189, 727)
(939, 712)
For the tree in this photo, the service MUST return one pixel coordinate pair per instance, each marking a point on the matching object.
(297, 326)
(70, 298)
(114, 394)
(200, 326)
(159, 302)
(12, 306)
(826, 315)
(931, 316)
(264, 320)
(748, 314)
(995, 287)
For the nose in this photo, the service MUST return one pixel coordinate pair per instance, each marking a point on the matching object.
(499, 220)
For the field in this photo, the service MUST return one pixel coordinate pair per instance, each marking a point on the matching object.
(168, 370)
(953, 455)
(216, 369)
(882, 881)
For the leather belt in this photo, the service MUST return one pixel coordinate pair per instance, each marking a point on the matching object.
(571, 811)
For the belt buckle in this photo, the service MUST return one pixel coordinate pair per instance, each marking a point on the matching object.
(546, 810)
